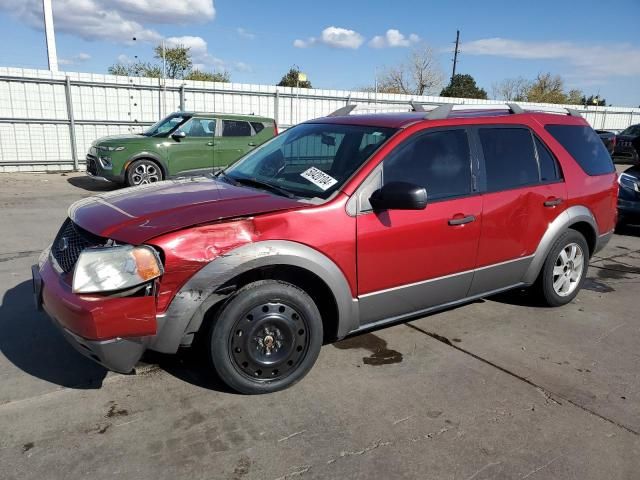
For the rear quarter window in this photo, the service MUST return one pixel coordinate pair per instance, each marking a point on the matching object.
(584, 145)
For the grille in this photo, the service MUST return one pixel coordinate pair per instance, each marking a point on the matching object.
(70, 242)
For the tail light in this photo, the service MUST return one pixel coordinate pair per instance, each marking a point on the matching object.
(614, 141)
(275, 128)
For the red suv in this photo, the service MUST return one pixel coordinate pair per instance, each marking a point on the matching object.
(337, 225)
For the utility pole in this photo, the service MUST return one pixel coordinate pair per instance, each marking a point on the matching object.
(52, 56)
(455, 55)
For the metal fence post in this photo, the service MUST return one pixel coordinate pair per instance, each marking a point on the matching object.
(72, 122)
(276, 107)
(182, 97)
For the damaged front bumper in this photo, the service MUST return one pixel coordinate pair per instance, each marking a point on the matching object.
(113, 332)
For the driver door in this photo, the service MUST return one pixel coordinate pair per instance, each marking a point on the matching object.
(411, 260)
(193, 154)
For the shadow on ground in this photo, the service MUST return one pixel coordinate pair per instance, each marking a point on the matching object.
(92, 185)
(32, 343)
(629, 229)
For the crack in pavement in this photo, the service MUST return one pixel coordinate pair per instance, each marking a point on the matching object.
(16, 255)
(544, 390)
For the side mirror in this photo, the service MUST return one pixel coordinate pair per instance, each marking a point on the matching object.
(178, 135)
(399, 196)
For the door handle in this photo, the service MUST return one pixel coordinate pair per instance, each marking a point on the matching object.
(210, 144)
(462, 220)
(251, 144)
(553, 202)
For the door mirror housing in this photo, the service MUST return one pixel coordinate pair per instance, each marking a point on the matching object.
(399, 196)
(179, 135)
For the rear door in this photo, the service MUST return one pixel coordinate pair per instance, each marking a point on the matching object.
(236, 139)
(523, 193)
(410, 260)
(192, 154)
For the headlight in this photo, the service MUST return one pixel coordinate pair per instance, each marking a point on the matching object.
(115, 268)
(629, 182)
(108, 148)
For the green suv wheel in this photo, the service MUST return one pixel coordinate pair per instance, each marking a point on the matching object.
(142, 172)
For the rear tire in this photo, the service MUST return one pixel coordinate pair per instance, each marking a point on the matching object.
(266, 337)
(565, 269)
(143, 172)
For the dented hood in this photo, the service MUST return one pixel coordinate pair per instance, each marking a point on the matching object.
(134, 215)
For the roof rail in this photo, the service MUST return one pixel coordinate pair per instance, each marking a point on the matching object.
(443, 111)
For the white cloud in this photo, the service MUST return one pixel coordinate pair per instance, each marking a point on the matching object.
(593, 61)
(202, 59)
(79, 58)
(335, 37)
(244, 33)
(393, 38)
(113, 20)
(302, 43)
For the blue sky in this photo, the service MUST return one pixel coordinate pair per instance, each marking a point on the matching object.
(339, 44)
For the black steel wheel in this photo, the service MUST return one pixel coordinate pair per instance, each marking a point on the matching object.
(266, 337)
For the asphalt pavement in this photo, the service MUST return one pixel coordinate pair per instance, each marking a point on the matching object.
(498, 389)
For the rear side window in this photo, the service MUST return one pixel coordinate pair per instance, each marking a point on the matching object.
(549, 168)
(235, 128)
(509, 158)
(584, 145)
(438, 161)
(257, 126)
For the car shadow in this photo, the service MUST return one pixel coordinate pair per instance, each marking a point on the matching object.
(522, 297)
(92, 184)
(629, 229)
(188, 365)
(32, 343)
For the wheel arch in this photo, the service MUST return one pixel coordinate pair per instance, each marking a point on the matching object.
(285, 260)
(576, 217)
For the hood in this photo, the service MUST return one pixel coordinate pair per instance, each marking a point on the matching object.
(135, 215)
(124, 138)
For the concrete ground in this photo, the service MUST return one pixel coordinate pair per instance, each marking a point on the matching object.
(498, 389)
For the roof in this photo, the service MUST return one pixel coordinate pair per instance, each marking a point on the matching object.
(232, 116)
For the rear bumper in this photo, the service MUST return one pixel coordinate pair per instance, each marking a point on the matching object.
(113, 332)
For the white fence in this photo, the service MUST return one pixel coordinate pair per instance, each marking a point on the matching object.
(48, 121)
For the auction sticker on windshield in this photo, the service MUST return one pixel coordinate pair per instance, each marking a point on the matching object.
(319, 178)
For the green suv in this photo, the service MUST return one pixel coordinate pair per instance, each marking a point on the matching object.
(180, 144)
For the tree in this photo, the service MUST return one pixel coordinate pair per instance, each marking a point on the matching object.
(511, 89)
(290, 79)
(574, 97)
(178, 64)
(200, 76)
(463, 85)
(547, 88)
(136, 69)
(418, 74)
(593, 100)
(177, 60)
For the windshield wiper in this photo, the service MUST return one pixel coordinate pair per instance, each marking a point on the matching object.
(265, 186)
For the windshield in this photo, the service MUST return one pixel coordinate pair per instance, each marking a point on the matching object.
(166, 125)
(311, 160)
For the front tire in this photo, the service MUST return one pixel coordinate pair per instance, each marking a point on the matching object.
(143, 172)
(266, 337)
(564, 270)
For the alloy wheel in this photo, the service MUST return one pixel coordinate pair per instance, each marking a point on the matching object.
(568, 269)
(145, 173)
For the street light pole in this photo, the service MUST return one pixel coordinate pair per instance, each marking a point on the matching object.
(50, 36)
